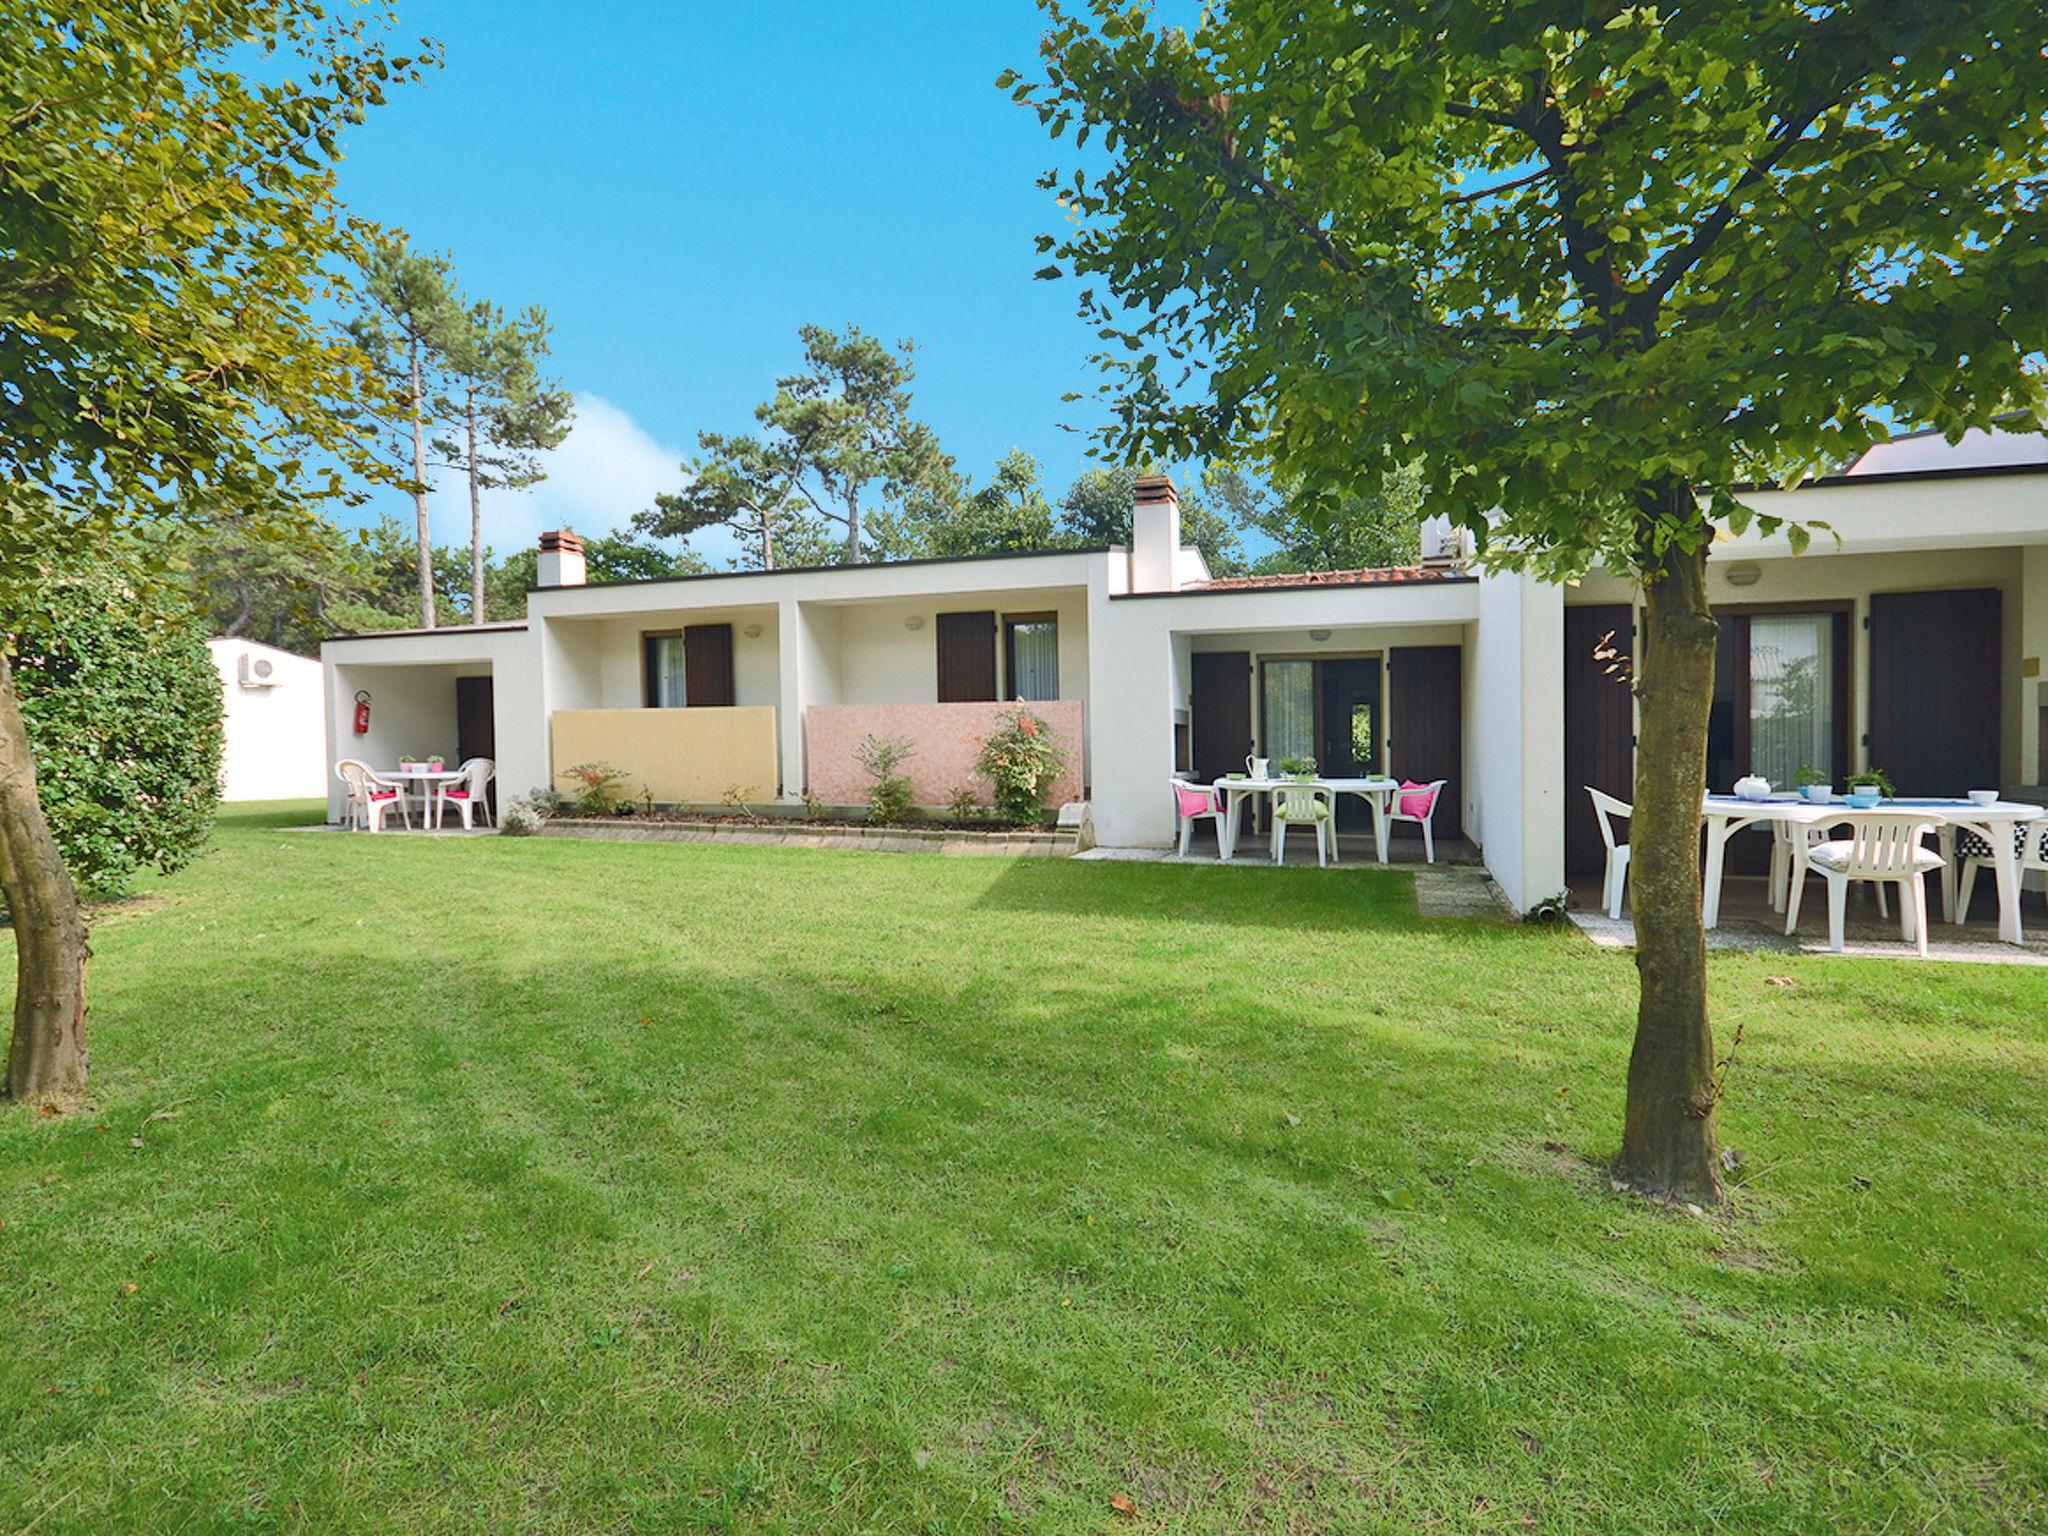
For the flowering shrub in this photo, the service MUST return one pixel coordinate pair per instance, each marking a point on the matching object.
(1021, 759)
(600, 788)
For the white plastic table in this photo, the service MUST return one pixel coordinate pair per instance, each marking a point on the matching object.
(1376, 792)
(1725, 815)
(424, 781)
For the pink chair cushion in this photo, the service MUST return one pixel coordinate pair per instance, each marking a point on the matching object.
(383, 794)
(1414, 804)
(454, 794)
(1194, 802)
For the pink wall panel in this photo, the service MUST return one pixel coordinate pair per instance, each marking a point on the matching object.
(948, 739)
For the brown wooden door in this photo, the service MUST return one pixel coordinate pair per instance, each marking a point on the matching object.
(1425, 727)
(1220, 712)
(967, 657)
(1935, 677)
(1599, 726)
(707, 666)
(476, 725)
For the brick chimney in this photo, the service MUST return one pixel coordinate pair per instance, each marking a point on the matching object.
(561, 560)
(1155, 535)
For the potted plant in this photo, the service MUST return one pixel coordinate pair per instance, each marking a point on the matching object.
(1868, 787)
(1813, 785)
(1300, 769)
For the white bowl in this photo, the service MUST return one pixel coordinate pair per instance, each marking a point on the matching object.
(1817, 794)
(1984, 797)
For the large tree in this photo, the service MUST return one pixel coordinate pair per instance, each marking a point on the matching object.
(409, 322)
(1595, 266)
(850, 404)
(506, 414)
(170, 252)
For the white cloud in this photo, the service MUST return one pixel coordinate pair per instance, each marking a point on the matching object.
(608, 468)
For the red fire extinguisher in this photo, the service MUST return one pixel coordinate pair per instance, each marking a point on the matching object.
(362, 713)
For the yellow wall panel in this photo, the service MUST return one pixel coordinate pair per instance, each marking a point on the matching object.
(679, 756)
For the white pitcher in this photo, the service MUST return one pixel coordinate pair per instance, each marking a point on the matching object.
(1259, 767)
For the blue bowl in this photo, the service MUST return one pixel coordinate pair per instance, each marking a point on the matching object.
(1862, 801)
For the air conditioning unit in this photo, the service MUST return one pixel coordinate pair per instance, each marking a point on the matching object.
(255, 671)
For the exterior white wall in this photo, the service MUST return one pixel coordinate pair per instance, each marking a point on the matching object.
(274, 744)
(1515, 715)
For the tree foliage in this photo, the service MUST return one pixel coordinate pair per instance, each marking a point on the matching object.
(1531, 244)
(1379, 528)
(837, 447)
(123, 703)
(504, 415)
(409, 316)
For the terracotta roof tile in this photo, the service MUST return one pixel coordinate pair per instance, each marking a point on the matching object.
(1378, 576)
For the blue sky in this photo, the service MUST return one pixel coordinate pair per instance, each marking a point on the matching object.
(683, 185)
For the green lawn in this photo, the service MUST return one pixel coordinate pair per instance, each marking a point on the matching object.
(533, 1185)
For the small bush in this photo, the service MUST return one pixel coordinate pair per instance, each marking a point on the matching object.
(123, 705)
(522, 818)
(889, 793)
(600, 788)
(1021, 760)
(814, 808)
(966, 804)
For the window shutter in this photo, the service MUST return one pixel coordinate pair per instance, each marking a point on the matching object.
(707, 666)
(967, 657)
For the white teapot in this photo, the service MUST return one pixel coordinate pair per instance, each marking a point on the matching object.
(1752, 787)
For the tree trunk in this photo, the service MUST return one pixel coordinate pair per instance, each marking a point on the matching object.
(419, 487)
(476, 526)
(1668, 1145)
(46, 1058)
(853, 528)
(767, 543)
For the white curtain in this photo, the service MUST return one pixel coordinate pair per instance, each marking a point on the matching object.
(668, 672)
(1290, 709)
(1035, 659)
(1792, 695)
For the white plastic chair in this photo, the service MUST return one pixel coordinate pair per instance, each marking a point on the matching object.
(1193, 803)
(2030, 842)
(1885, 846)
(1784, 839)
(1395, 813)
(468, 795)
(370, 797)
(1607, 810)
(1306, 805)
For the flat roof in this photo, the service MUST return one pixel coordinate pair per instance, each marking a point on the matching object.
(1403, 576)
(819, 570)
(498, 626)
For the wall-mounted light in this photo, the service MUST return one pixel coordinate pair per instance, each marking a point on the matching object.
(1744, 575)
(752, 631)
(915, 621)
(1319, 634)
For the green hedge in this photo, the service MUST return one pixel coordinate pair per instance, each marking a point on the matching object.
(124, 708)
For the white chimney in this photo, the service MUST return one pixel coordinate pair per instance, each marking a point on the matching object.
(561, 560)
(1444, 544)
(1155, 535)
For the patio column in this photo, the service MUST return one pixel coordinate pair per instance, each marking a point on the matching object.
(1515, 735)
